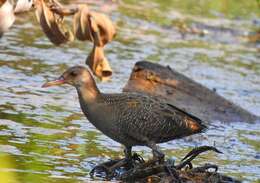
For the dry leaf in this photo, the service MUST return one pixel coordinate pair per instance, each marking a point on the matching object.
(51, 24)
(106, 28)
(96, 59)
(23, 5)
(7, 16)
(80, 24)
(85, 21)
(2, 2)
(97, 28)
(99, 64)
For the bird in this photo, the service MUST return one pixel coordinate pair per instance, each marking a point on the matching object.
(132, 119)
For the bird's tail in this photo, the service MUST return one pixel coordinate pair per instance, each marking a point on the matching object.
(197, 126)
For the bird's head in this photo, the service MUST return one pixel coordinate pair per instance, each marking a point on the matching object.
(75, 76)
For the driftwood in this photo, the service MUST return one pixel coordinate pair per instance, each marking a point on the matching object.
(185, 93)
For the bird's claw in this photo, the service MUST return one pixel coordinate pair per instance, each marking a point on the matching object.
(137, 158)
(108, 169)
(105, 170)
(99, 170)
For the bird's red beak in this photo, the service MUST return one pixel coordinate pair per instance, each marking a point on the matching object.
(56, 82)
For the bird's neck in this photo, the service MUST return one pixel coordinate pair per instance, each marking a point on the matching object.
(89, 92)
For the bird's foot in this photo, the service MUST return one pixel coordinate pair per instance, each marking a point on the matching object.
(159, 157)
(104, 170)
(112, 168)
(137, 159)
(171, 171)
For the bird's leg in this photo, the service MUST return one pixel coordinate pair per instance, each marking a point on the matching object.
(132, 159)
(158, 156)
(157, 153)
(128, 153)
(109, 168)
(125, 162)
(128, 156)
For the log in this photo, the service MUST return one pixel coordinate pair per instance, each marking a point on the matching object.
(185, 93)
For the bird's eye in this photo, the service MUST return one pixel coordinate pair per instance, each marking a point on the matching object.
(73, 73)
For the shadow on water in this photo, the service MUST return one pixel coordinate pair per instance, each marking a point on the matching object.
(43, 133)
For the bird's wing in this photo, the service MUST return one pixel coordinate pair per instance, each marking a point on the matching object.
(191, 117)
(150, 117)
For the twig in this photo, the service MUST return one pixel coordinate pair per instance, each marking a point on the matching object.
(194, 153)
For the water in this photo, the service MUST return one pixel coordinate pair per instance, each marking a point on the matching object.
(43, 132)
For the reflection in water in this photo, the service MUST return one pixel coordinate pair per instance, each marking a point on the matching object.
(44, 132)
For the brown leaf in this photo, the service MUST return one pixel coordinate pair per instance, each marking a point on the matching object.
(97, 28)
(23, 6)
(50, 24)
(2, 2)
(99, 64)
(80, 24)
(86, 22)
(7, 16)
(106, 28)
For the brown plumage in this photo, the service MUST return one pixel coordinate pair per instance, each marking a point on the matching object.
(129, 118)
